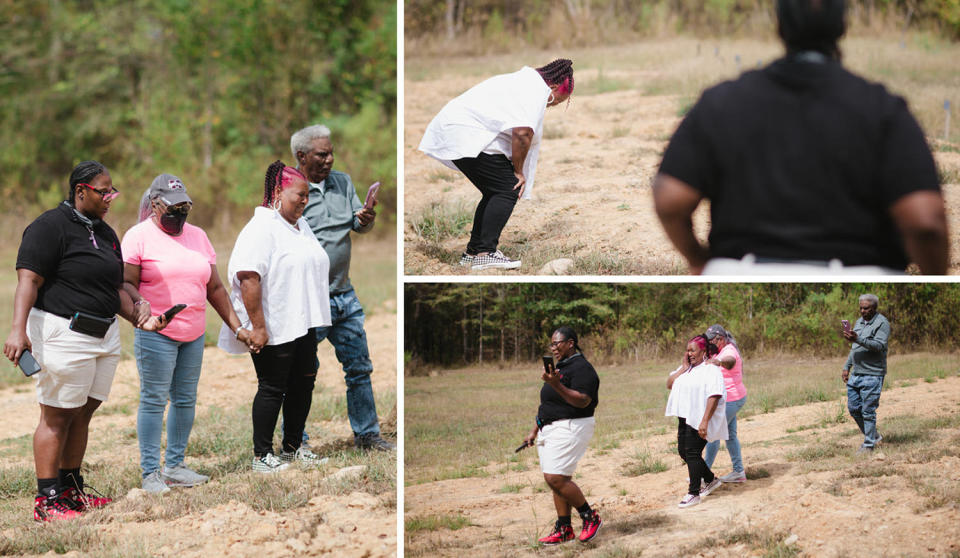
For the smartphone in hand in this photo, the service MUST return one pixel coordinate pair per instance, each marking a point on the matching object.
(173, 311)
(846, 325)
(547, 364)
(28, 364)
(371, 196)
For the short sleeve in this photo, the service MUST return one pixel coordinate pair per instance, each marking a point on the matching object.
(252, 250)
(206, 247)
(689, 156)
(907, 164)
(586, 382)
(716, 385)
(132, 246)
(41, 247)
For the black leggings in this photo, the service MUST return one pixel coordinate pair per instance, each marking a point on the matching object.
(285, 377)
(690, 446)
(493, 176)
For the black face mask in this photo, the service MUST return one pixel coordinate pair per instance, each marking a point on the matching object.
(172, 223)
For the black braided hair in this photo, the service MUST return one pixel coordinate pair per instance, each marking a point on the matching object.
(271, 181)
(568, 333)
(83, 173)
(558, 71)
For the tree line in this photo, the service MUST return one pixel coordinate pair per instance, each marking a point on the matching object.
(207, 90)
(468, 323)
(499, 24)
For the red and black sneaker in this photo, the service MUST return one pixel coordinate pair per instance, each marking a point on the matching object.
(83, 501)
(560, 534)
(53, 508)
(591, 526)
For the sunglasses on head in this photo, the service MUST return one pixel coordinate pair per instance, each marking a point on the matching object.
(107, 195)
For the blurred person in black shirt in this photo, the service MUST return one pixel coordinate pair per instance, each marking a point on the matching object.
(808, 167)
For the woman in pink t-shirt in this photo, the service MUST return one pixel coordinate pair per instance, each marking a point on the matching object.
(171, 262)
(731, 364)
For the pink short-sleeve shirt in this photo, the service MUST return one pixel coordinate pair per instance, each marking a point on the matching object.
(173, 270)
(733, 378)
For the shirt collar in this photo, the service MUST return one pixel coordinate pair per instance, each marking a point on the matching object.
(318, 185)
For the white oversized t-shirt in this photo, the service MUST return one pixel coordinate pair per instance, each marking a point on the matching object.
(471, 123)
(294, 278)
(688, 399)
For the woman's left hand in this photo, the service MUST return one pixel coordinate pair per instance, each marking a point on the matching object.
(552, 377)
(702, 431)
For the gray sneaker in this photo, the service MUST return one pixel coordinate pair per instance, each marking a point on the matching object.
(303, 456)
(372, 441)
(181, 476)
(733, 476)
(268, 464)
(706, 490)
(154, 484)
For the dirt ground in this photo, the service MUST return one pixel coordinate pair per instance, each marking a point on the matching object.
(355, 524)
(592, 200)
(853, 507)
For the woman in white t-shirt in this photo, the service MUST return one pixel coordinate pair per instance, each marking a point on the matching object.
(696, 399)
(279, 273)
(491, 133)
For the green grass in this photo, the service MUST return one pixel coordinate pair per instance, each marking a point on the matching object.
(438, 222)
(420, 523)
(643, 463)
(462, 420)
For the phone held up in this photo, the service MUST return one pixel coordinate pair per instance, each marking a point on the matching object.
(846, 325)
(547, 364)
(28, 364)
(371, 196)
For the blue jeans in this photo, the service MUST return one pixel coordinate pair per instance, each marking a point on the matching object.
(863, 398)
(168, 370)
(349, 339)
(733, 443)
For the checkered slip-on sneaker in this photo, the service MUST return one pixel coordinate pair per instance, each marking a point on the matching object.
(466, 260)
(494, 260)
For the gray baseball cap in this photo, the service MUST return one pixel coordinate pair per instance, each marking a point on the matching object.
(169, 189)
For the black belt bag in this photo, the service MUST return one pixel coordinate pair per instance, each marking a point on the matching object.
(91, 325)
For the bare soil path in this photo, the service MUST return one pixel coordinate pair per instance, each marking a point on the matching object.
(809, 495)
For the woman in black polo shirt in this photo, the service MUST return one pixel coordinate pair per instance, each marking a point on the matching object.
(565, 425)
(69, 290)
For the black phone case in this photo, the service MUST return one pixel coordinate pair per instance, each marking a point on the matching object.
(28, 364)
(93, 326)
(547, 364)
(173, 311)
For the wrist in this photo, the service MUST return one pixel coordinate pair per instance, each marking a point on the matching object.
(141, 301)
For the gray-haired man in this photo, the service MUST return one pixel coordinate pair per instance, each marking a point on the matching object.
(333, 212)
(865, 369)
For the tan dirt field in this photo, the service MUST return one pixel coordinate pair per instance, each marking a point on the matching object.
(354, 524)
(592, 200)
(854, 506)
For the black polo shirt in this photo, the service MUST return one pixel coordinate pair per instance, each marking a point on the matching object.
(577, 374)
(802, 160)
(77, 275)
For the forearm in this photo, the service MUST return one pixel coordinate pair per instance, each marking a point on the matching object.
(520, 146)
(711, 408)
(251, 294)
(922, 221)
(217, 297)
(573, 397)
(23, 300)
(132, 292)
(127, 310)
(675, 201)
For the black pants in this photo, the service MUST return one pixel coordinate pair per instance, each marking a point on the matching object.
(690, 446)
(285, 377)
(493, 176)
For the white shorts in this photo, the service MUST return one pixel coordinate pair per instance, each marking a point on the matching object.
(74, 366)
(561, 444)
(749, 266)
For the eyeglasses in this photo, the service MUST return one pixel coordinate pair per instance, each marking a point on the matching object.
(555, 343)
(107, 196)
